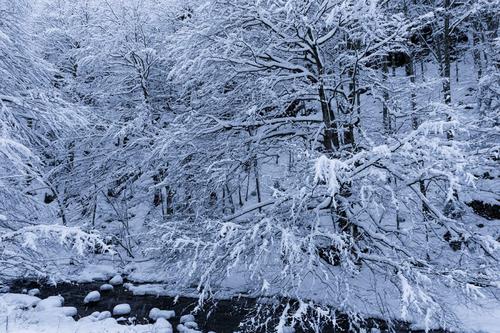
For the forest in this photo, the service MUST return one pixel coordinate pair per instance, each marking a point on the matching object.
(333, 162)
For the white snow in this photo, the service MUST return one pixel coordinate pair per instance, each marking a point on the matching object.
(104, 315)
(121, 309)
(116, 280)
(191, 324)
(68, 311)
(187, 318)
(95, 272)
(156, 313)
(163, 326)
(34, 292)
(50, 302)
(17, 301)
(183, 329)
(148, 289)
(106, 287)
(484, 318)
(92, 297)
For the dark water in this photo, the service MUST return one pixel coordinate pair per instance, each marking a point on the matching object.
(224, 316)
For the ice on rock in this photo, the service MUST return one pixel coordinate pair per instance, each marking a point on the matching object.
(121, 310)
(92, 297)
(187, 318)
(104, 315)
(19, 300)
(163, 326)
(50, 302)
(116, 280)
(106, 287)
(34, 292)
(156, 313)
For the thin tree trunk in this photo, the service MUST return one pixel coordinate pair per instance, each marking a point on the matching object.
(410, 73)
(386, 118)
(477, 55)
(446, 56)
(257, 181)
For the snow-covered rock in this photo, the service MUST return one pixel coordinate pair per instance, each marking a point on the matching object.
(163, 326)
(50, 302)
(183, 329)
(187, 318)
(156, 313)
(4, 289)
(34, 292)
(90, 318)
(106, 287)
(153, 289)
(192, 324)
(92, 297)
(121, 310)
(68, 311)
(104, 315)
(116, 280)
(96, 272)
(18, 301)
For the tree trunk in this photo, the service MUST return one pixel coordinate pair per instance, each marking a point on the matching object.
(446, 55)
(386, 118)
(477, 55)
(257, 181)
(410, 73)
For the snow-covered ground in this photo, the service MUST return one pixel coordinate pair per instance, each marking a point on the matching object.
(20, 313)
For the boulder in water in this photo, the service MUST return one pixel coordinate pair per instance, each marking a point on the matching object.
(187, 318)
(116, 280)
(106, 287)
(34, 292)
(50, 302)
(163, 326)
(156, 313)
(92, 297)
(121, 310)
(191, 324)
(104, 315)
